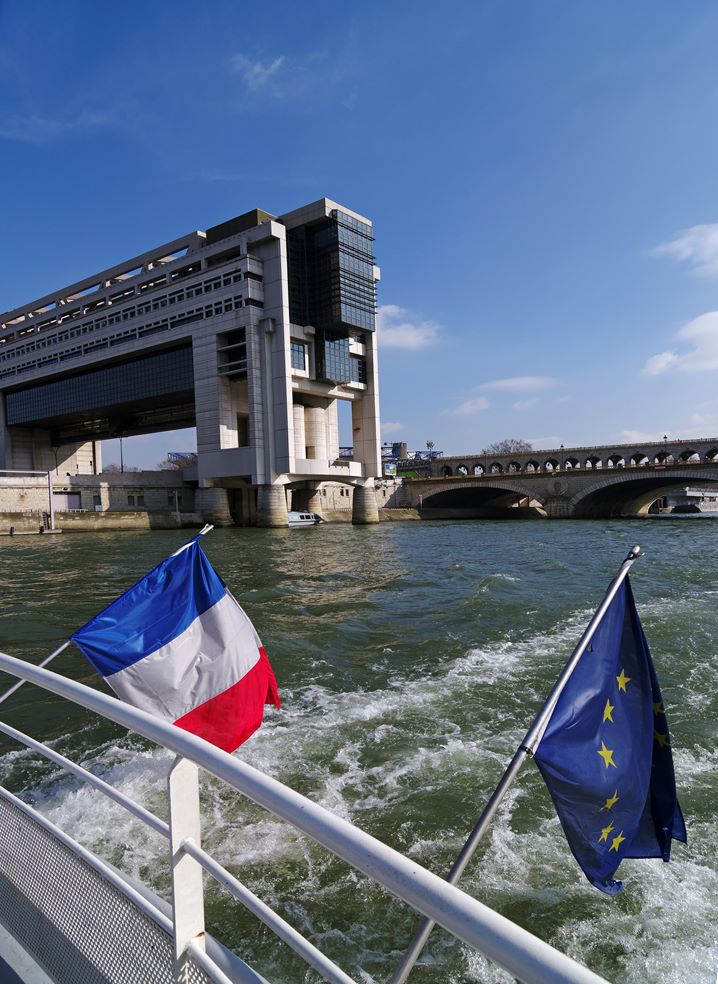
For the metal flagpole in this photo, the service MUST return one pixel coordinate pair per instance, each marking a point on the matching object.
(16, 686)
(525, 750)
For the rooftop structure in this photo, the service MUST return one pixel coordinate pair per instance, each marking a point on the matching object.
(253, 331)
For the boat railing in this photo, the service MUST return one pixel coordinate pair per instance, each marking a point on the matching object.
(515, 949)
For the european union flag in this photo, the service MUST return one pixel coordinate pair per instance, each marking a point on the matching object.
(606, 754)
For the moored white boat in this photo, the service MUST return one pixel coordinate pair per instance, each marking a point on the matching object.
(303, 518)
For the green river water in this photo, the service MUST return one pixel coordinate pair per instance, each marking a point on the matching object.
(411, 658)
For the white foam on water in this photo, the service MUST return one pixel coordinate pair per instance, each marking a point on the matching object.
(367, 754)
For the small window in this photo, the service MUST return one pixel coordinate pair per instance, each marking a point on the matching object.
(299, 356)
(96, 500)
(130, 500)
(140, 500)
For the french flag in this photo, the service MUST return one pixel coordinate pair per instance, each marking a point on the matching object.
(178, 645)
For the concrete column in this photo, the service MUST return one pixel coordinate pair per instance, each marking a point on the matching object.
(315, 502)
(300, 442)
(315, 423)
(272, 506)
(364, 507)
(213, 506)
(332, 418)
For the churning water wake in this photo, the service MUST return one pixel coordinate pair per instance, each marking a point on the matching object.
(411, 660)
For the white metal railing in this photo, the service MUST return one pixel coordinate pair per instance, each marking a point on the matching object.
(518, 951)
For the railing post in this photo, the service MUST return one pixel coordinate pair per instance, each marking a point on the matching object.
(187, 890)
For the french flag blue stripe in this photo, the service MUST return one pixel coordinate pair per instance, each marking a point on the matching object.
(151, 613)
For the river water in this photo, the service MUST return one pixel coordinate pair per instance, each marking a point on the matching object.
(411, 658)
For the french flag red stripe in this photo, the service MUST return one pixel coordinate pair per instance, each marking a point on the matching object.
(228, 719)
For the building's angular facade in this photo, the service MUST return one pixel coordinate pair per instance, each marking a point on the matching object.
(253, 331)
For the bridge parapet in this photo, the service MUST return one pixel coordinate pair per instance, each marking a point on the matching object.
(654, 454)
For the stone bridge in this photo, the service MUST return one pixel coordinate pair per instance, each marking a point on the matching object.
(586, 482)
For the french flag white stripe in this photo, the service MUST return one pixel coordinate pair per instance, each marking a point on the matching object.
(211, 655)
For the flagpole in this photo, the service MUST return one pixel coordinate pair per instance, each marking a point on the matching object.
(47, 659)
(525, 750)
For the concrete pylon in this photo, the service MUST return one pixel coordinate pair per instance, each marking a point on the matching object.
(315, 503)
(364, 507)
(213, 506)
(272, 506)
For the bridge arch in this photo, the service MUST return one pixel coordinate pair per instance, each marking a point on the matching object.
(631, 494)
(571, 463)
(639, 459)
(689, 455)
(532, 466)
(551, 464)
(502, 498)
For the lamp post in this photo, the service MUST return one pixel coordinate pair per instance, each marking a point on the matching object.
(665, 449)
(562, 461)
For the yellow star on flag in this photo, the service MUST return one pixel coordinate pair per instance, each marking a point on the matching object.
(623, 680)
(607, 755)
(605, 831)
(608, 711)
(611, 801)
(617, 841)
(658, 707)
(662, 739)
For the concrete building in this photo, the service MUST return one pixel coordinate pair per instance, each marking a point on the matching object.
(255, 331)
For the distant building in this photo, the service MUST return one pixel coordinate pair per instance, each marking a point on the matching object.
(253, 331)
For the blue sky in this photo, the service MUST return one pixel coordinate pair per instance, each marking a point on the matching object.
(541, 175)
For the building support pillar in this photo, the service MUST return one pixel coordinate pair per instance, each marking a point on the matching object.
(364, 507)
(315, 502)
(272, 506)
(213, 506)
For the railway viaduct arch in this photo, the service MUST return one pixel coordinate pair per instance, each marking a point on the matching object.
(559, 494)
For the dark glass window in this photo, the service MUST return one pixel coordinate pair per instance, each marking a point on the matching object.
(331, 274)
(299, 360)
(333, 360)
(91, 392)
(358, 370)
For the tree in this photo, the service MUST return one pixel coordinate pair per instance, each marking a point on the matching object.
(509, 445)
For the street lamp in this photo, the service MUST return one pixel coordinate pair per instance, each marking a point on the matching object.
(562, 461)
(665, 449)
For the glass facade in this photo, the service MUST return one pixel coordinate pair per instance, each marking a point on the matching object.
(358, 370)
(331, 282)
(90, 393)
(333, 359)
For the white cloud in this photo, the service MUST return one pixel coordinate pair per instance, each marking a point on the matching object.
(659, 363)
(525, 404)
(42, 129)
(640, 437)
(701, 334)
(390, 427)
(469, 407)
(520, 384)
(697, 246)
(255, 74)
(397, 328)
(550, 443)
